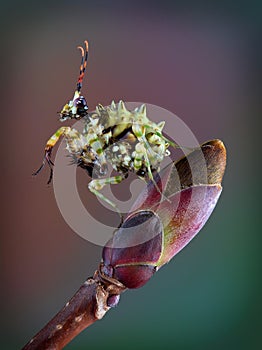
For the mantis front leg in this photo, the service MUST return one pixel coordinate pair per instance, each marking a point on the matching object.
(52, 141)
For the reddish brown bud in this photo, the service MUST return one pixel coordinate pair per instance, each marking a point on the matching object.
(158, 229)
(131, 257)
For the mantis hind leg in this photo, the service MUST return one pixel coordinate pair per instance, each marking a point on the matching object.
(144, 151)
(97, 184)
(141, 155)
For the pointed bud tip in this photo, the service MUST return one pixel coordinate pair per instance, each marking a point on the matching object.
(215, 155)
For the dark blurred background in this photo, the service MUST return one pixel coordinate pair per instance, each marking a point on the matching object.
(200, 60)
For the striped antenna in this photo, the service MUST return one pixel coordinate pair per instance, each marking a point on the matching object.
(84, 55)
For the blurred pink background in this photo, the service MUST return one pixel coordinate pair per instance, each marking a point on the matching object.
(199, 62)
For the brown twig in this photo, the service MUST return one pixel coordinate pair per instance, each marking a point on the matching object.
(89, 304)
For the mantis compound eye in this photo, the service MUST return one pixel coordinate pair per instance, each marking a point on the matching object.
(81, 106)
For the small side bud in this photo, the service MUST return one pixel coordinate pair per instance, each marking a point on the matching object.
(113, 300)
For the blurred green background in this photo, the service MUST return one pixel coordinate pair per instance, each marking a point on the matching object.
(201, 61)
